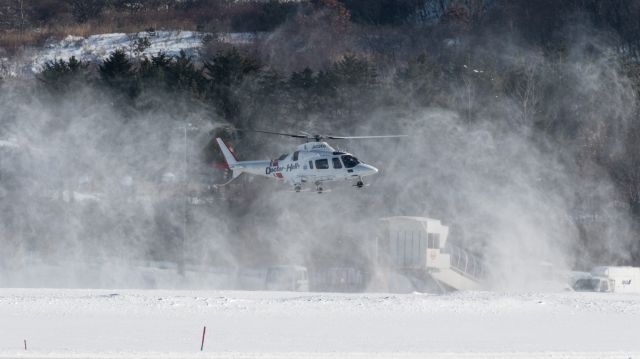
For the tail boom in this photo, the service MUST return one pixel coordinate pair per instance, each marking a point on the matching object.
(238, 167)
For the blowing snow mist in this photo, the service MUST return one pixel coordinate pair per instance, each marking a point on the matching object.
(103, 180)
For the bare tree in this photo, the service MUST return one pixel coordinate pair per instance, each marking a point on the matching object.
(524, 86)
(12, 15)
(83, 10)
(21, 5)
(529, 90)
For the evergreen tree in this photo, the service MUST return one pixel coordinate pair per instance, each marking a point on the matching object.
(424, 80)
(118, 73)
(226, 71)
(116, 66)
(313, 93)
(230, 67)
(355, 80)
(59, 74)
(353, 71)
(303, 86)
(266, 98)
(181, 74)
(303, 79)
(154, 70)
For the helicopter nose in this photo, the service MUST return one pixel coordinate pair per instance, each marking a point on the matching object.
(367, 170)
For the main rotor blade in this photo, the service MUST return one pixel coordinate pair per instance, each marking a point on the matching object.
(309, 136)
(363, 137)
(277, 133)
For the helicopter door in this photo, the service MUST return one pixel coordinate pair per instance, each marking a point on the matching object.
(323, 164)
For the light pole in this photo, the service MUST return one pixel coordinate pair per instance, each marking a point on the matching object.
(185, 209)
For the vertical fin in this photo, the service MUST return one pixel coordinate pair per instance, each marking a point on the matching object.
(230, 158)
(226, 152)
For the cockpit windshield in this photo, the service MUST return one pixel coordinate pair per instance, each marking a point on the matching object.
(349, 161)
(283, 157)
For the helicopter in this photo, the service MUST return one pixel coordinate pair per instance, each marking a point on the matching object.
(314, 161)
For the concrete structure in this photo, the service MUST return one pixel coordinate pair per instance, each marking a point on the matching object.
(417, 248)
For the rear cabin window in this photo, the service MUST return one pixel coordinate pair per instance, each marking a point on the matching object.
(311, 165)
(322, 164)
(336, 163)
(295, 155)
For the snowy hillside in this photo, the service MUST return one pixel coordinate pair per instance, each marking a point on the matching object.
(98, 47)
(163, 324)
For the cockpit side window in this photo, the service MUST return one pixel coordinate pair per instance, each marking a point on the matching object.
(295, 155)
(336, 163)
(349, 161)
(283, 157)
(322, 164)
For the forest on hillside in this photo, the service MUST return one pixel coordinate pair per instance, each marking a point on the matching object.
(523, 120)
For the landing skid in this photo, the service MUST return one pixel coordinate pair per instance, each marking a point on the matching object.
(321, 189)
(309, 190)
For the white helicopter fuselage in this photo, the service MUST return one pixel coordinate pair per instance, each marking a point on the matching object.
(312, 162)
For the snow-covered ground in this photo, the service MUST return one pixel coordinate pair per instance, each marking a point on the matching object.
(98, 47)
(71, 323)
